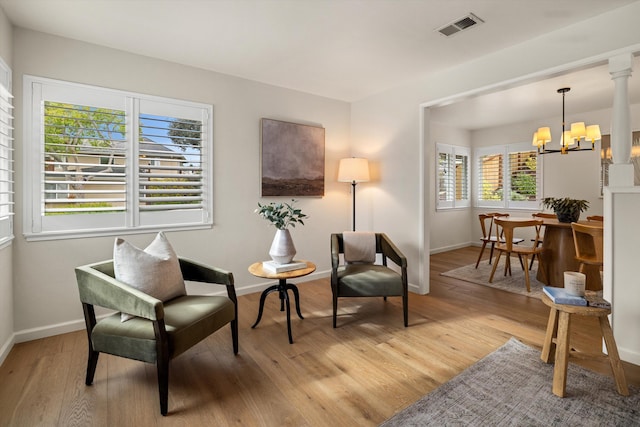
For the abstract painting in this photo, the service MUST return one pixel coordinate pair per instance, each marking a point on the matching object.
(292, 159)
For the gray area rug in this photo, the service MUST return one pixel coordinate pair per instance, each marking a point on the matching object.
(512, 387)
(514, 283)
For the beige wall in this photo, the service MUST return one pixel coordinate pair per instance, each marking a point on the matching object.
(6, 259)
(46, 298)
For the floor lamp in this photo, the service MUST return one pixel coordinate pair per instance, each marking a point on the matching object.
(353, 170)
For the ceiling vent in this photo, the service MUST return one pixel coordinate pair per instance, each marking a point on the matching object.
(461, 24)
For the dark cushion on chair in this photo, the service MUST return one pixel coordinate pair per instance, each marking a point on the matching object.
(368, 280)
(188, 320)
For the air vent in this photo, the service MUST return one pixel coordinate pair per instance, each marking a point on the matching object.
(460, 25)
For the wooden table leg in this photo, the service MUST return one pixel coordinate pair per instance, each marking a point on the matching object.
(562, 355)
(614, 357)
(549, 347)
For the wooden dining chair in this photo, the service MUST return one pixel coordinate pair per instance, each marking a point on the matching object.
(588, 241)
(595, 218)
(540, 215)
(486, 225)
(505, 228)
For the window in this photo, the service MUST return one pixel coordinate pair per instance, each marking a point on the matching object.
(6, 156)
(103, 161)
(512, 167)
(453, 176)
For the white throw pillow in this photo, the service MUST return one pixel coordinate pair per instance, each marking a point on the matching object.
(154, 270)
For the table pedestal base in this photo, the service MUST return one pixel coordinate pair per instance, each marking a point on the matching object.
(282, 287)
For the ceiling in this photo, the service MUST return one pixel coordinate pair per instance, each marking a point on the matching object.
(341, 49)
(591, 90)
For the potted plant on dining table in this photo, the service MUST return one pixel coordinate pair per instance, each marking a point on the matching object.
(566, 208)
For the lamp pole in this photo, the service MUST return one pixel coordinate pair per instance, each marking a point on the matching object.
(353, 198)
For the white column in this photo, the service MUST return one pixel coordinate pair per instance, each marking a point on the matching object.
(621, 171)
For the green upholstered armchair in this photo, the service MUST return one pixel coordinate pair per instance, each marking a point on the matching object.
(368, 279)
(161, 331)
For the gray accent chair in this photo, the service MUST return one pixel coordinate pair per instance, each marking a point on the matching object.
(161, 331)
(369, 280)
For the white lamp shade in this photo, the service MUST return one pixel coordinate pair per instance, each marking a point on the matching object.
(578, 130)
(593, 133)
(543, 135)
(353, 169)
(566, 139)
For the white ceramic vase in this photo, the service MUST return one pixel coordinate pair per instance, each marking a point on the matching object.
(282, 249)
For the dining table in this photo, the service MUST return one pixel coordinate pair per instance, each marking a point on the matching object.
(559, 255)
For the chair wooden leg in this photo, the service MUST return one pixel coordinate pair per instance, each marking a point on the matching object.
(526, 272)
(533, 258)
(162, 365)
(484, 244)
(234, 335)
(495, 265)
(507, 265)
(493, 245)
(614, 357)
(92, 362)
(335, 311)
(405, 308)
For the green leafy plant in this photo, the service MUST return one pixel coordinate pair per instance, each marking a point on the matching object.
(281, 215)
(567, 209)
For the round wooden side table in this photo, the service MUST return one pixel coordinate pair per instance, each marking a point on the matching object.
(282, 287)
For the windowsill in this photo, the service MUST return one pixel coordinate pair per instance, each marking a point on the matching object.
(35, 237)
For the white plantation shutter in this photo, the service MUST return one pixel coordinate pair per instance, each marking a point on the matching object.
(523, 178)
(453, 176)
(84, 159)
(170, 167)
(103, 161)
(6, 157)
(490, 179)
(462, 178)
(508, 176)
(446, 180)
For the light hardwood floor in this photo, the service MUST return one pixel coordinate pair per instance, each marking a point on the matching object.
(361, 373)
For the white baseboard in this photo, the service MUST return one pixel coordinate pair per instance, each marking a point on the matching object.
(76, 325)
(629, 355)
(450, 248)
(6, 348)
(49, 330)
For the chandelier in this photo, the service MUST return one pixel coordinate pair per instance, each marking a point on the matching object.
(569, 139)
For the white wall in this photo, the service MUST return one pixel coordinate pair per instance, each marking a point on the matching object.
(451, 228)
(394, 118)
(6, 259)
(46, 298)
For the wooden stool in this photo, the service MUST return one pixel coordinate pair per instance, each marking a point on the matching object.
(557, 338)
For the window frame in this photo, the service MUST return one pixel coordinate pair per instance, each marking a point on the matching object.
(505, 151)
(452, 151)
(131, 220)
(7, 161)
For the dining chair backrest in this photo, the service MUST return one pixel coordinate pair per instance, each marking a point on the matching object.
(505, 228)
(486, 223)
(595, 218)
(588, 242)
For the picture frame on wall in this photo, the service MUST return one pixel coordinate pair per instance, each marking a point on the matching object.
(292, 159)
